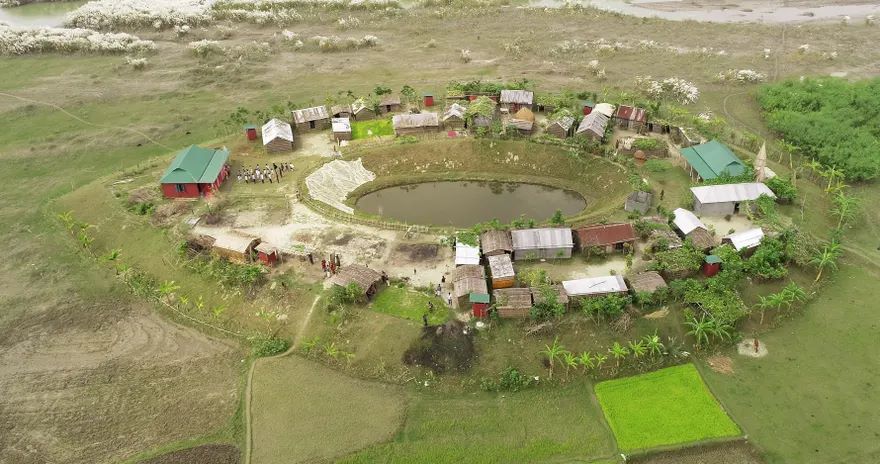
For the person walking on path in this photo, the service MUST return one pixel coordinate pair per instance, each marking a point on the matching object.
(324, 265)
(425, 320)
(449, 298)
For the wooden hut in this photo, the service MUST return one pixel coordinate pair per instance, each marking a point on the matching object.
(523, 121)
(701, 239)
(361, 112)
(593, 126)
(557, 290)
(195, 172)
(513, 302)
(415, 123)
(314, 118)
(631, 117)
(496, 242)
(501, 271)
(341, 128)
(544, 243)
(479, 304)
(235, 246)
(367, 279)
(250, 131)
(453, 117)
(340, 111)
(595, 287)
(561, 127)
(513, 100)
(277, 136)
(390, 104)
(638, 202)
(467, 279)
(647, 282)
(609, 237)
(267, 254)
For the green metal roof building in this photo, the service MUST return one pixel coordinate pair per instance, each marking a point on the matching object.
(195, 171)
(711, 160)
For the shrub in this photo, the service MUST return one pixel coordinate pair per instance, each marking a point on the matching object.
(269, 346)
(23, 41)
(646, 143)
(605, 306)
(350, 294)
(655, 165)
(158, 14)
(510, 380)
(136, 63)
(205, 48)
(783, 188)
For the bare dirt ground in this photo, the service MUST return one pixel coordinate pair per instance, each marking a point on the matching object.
(127, 378)
(207, 454)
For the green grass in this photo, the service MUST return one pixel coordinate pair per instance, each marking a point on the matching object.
(559, 424)
(671, 406)
(379, 127)
(305, 412)
(409, 304)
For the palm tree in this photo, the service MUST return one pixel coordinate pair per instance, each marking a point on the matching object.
(553, 353)
(653, 344)
(699, 329)
(845, 208)
(637, 348)
(600, 360)
(618, 351)
(586, 360)
(826, 258)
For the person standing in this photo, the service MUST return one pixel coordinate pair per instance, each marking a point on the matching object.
(449, 298)
(324, 265)
(338, 261)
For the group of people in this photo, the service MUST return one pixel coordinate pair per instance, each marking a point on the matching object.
(265, 173)
(331, 265)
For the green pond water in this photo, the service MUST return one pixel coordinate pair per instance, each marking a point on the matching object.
(40, 14)
(465, 203)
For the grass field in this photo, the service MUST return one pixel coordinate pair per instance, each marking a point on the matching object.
(671, 406)
(543, 425)
(373, 128)
(409, 304)
(305, 412)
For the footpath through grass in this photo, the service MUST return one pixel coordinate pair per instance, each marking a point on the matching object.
(671, 406)
(409, 304)
(559, 424)
(373, 128)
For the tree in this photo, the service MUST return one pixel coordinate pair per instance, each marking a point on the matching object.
(771, 301)
(602, 306)
(557, 218)
(653, 344)
(549, 307)
(826, 258)
(381, 90)
(618, 352)
(699, 329)
(408, 93)
(637, 348)
(553, 353)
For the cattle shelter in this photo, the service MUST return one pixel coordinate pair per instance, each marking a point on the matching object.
(544, 243)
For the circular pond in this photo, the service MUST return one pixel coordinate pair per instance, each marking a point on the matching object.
(465, 203)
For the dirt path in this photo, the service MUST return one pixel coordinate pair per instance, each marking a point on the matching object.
(248, 416)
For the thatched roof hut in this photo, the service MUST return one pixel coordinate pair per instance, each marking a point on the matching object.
(366, 278)
(513, 302)
(496, 242)
(647, 282)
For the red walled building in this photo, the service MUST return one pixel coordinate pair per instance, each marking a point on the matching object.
(195, 172)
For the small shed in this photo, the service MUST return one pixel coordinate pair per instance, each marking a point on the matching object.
(277, 136)
(361, 112)
(631, 117)
(340, 111)
(501, 271)
(647, 282)
(686, 221)
(341, 128)
(479, 304)
(721, 200)
(513, 302)
(558, 290)
(701, 239)
(314, 118)
(606, 109)
(593, 126)
(235, 246)
(267, 254)
(195, 172)
(595, 286)
(513, 100)
(390, 104)
(543, 243)
(496, 242)
(609, 237)
(638, 202)
(453, 117)
(523, 121)
(367, 279)
(561, 127)
(467, 279)
(586, 106)
(250, 131)
(415, 123)
(711, 160)
(711, 265)
(466, 254)
(428, 99)
(745, 240)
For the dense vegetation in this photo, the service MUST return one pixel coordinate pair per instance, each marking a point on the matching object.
(830, 120)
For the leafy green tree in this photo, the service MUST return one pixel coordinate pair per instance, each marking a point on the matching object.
(381, 90)
(699, 329)
(549, 306)
(557, 218)
(604, 306)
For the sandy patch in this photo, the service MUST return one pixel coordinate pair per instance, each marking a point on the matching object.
(659, 314)
(721, 364)
(747, 348)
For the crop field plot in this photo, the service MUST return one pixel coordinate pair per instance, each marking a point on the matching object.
(374, 128)
(668, 407)
(409, 304)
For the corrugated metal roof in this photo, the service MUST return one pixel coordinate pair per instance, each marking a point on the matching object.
(594, 122)
(500, 266)
(746, 239)
(454, 111)
(712, 160)
(594, 285)
(390, 100)
(686, 221)
(310, 114)
(275, 129)
(412, 121)
(467, 271)
(466, 254)
(469, 285)
(631, 113)
(604, 108)
(195, 164)
(520, 97)
(726, 193)
(606, 234)
(341, 124)
(564, 122)
(534, 239)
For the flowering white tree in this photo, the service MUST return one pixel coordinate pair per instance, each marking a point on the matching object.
(671, 88)
(743, 76)
(22, 41)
